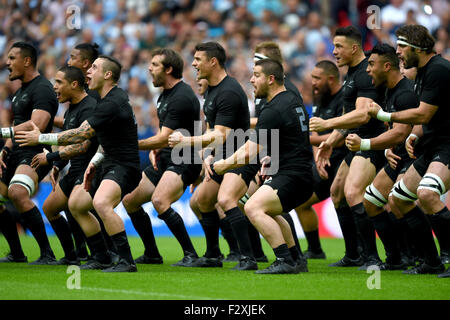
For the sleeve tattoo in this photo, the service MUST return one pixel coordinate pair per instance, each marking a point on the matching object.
(77, 135)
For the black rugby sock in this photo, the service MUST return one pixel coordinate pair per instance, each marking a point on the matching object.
(99, 249)
(386, 231)
(423, 236)
(283, 252)
(143, 225)
(176, 225)
(8, 228)
(123, 247)
(210, 223)
(366, 230)
(240, 230)
(349, 233)
(312, 237)
(34, 222)
(78, 235)
(62, 231)
(228, 235)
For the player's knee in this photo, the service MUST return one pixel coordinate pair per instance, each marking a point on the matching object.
(101, 205)
(430, 189)
(353, 195)
(160, 203)
(226, 201)
(251, 210)
(18, 195)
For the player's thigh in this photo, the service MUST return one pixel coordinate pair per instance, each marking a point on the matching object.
(108, 196)
(232, 188)
(80, 201)
(361, 174)
(55, 202)
(266, 200)
(206, 195)
(141, 194)
(170, 188)
(31, 186)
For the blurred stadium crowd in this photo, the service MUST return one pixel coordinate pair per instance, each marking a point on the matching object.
(130, 29)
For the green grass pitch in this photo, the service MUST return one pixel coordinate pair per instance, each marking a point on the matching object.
(19, 281)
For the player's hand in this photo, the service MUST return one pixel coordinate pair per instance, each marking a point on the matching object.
(177, 139)
(40, 160)
(265, 165)
(207, 164)
(219, 167)
(323, 159)
(54, 177)
(410, 143)
(28, 138)
(88, 176)
(353, 142)
(392, 158)
(317, 124)
(153, 156)
(373, 109)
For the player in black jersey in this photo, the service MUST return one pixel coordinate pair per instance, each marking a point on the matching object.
(284, 117)
(384, 69)
(34, 102)
(357, 93)
(226, 110)
(327, 98)
(112, 173)
(69, 87)
(429, 176)
(164, 181)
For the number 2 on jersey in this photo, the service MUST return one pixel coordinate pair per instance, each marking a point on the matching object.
(302, 119)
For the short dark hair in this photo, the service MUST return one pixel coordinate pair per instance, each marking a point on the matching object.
(27, 50)
(73, 74)
(270, 49)
(88, 51)
(417, 35)
(350, 32)
(113, 65)
(329, 67)
(388, 53)
(272, 67)
(213, 50)
(171, 59)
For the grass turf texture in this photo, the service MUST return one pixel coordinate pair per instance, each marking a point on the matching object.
(19, 281)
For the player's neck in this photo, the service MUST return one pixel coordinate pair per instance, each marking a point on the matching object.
(216, 77)
(357, 59)
(78, 97)
(170, 83)
(394, 79)
(423, 60)
(335, 88)
(274, 91)
(29, 75)
(107, 87)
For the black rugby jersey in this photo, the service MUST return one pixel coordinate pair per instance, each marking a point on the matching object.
(331, 107)
(285, 113)
(178, 108)
(74, 116)
(259, 103)
(227, 105)
(358, 84)
(432, 85)
(37, 94)
(116, 128)
(399, 98)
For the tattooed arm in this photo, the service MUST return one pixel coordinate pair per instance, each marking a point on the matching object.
(64, 138)
(73, 150)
